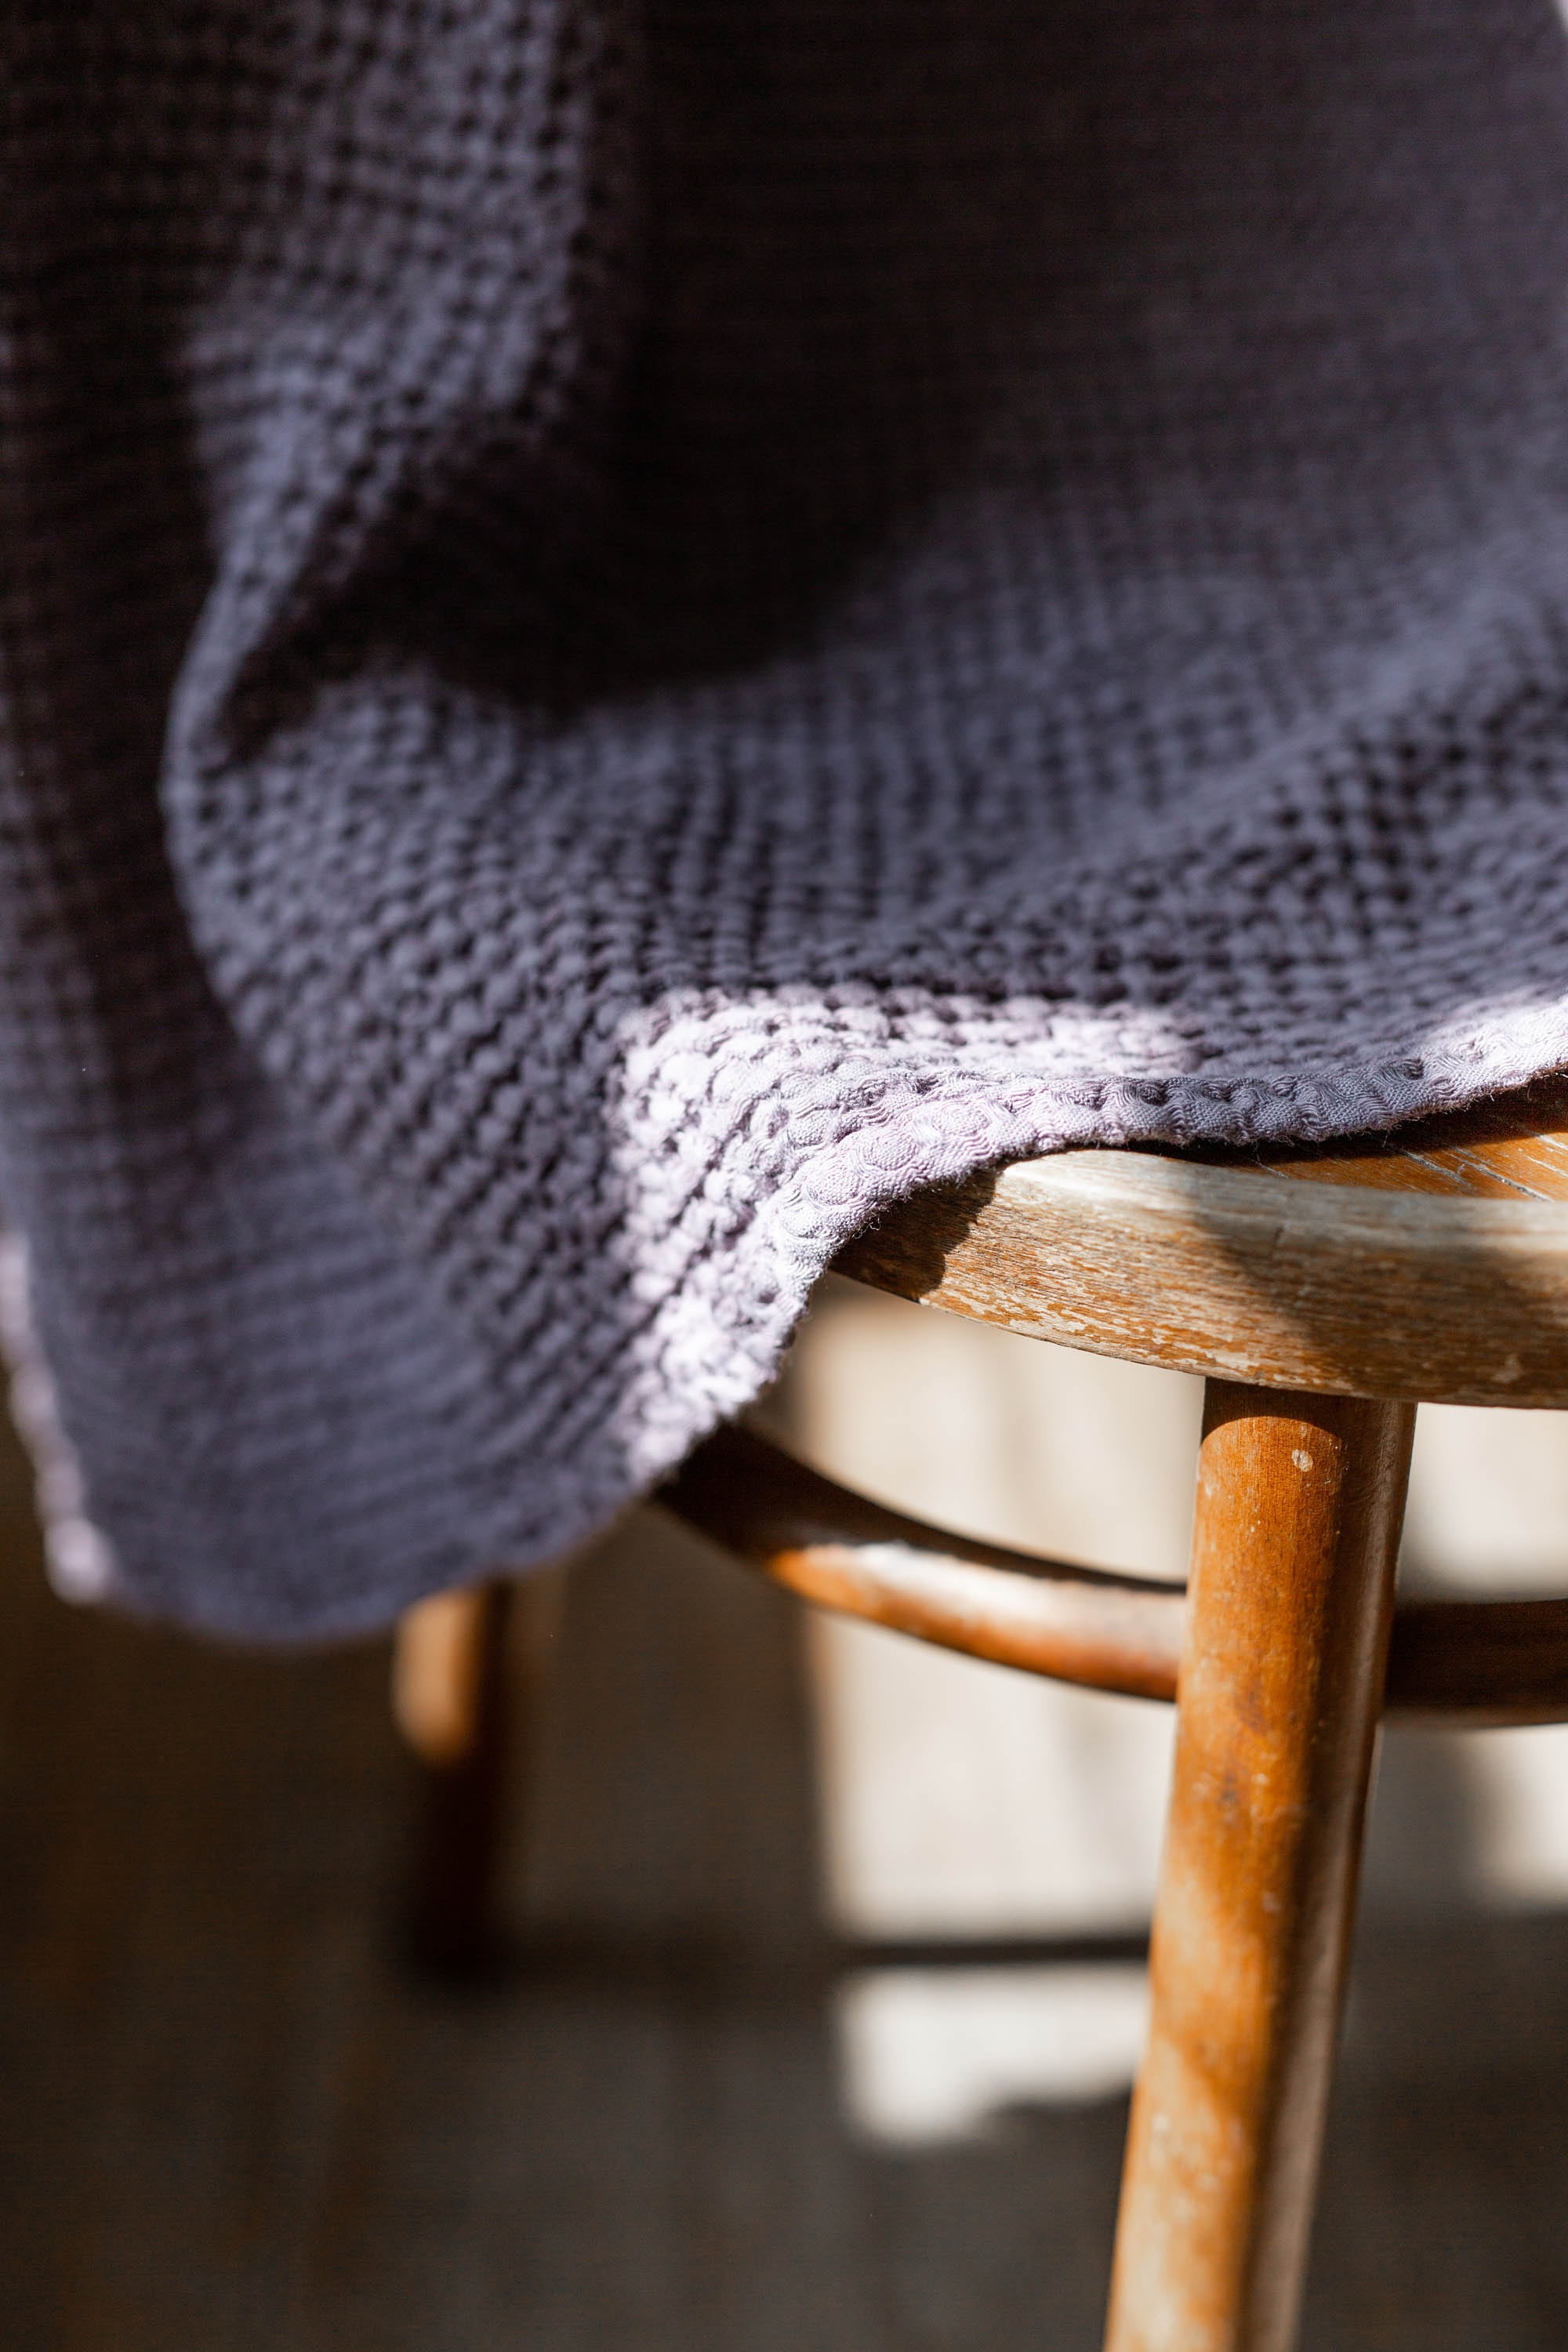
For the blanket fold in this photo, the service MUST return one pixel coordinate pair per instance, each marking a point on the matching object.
(626, 631)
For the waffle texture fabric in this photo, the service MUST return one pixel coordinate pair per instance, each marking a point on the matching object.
(627, 630)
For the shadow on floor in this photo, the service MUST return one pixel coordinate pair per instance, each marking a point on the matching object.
(233, 2122)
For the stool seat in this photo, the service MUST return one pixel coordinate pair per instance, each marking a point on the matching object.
(1324, 1292)
(1429, 1265)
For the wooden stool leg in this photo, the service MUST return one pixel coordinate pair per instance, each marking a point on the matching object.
(1299, 1511)
(453, 1703)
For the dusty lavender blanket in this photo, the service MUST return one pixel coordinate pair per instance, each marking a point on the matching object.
(626, 631)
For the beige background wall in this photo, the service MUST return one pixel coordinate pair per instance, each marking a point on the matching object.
(962, 1800)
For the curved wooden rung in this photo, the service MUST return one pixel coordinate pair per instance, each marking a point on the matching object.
(1471, 1662)
(1475, 1663)
(1076, 1625)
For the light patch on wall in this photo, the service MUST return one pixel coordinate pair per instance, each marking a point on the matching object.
(960, 1802)
(965, 1800)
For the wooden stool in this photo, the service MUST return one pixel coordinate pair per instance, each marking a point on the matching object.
(1323, 1293)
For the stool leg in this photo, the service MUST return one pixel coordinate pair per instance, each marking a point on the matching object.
(1294, 1546)
(453, 1703)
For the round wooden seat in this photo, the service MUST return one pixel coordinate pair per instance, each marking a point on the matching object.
(1325, 1293)
(1430, 1263)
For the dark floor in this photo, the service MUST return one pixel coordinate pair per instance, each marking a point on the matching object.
(232, 2121)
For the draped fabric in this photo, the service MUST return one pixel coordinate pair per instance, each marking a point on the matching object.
(626, 631)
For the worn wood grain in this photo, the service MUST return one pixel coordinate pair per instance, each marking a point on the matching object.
(1514, 1147)
(1434, 1273)
(1294, 1553)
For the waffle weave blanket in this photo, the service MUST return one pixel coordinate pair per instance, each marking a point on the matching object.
(626, 629)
